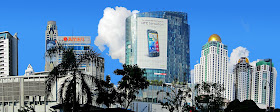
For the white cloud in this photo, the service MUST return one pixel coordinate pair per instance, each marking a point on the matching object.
(111, 32)
(254, 62)
(235, 55)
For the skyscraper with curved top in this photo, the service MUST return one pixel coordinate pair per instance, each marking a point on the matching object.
(159, 42)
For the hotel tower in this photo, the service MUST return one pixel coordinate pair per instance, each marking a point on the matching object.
(213, 66)
(243, 79)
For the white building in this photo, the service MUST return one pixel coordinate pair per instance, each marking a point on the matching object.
(213, 66)
(261, 80)
(8, 54)
(243, 79)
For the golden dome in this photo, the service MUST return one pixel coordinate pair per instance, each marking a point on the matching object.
(247, 60)
(214, 37)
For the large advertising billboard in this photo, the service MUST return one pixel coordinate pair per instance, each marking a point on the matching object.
(152, 42)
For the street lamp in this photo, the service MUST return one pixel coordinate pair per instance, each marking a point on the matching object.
(271, 76)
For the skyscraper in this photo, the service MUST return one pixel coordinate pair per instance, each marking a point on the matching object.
(8, 54)
(159, 42)
(51, 40)
(243, 79)
(213, 66)
(264, 83)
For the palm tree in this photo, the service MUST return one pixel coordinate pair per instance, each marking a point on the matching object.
(75, 84)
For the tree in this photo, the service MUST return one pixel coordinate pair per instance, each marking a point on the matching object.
(132, 81)
(75, 83)
(106, 92)
(209, 96)
(176, 99)
(245, 106)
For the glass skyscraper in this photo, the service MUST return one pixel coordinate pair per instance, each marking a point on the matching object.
(159, 42)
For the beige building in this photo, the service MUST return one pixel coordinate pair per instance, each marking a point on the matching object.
(29, 90)
(18, 91)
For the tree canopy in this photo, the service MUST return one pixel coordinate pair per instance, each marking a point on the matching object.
(132, 81)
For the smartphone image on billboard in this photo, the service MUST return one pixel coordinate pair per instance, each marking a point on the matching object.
(153, 45)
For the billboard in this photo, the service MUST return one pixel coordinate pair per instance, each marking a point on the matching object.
(74, 39)
(50, 44)
(152, 42)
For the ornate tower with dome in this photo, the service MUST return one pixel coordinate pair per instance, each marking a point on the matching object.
(243, 79)
(213, 66)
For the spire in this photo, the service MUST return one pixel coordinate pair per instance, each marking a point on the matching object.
(29, 70)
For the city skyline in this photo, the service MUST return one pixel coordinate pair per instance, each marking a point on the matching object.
(238, 24)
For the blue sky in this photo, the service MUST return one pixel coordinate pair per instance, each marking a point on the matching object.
(250, 24)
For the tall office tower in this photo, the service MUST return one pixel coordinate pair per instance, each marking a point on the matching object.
(243, 79)
(8, 54)
(264, 83)
(51, 40)
(159, 42)
(213, 65)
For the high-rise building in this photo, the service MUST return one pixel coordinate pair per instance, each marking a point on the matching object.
(159, 42)
(264, 83)
(80, 45)
(243, 79)
(51, 40)
(8, 54)
(213, 66)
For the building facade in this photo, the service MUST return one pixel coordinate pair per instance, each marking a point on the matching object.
(264, 83)
(80, 45)
(51, 34)
(8, 54)
(159, 42)
(29, 89)
(243, 72)
(213, 66)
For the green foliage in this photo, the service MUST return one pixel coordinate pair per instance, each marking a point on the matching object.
(26, 109)
(245, 106)
(74, 81)
(176, 100)
(132, 81)
(106, 92)
(156, 82)
(211, 95)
